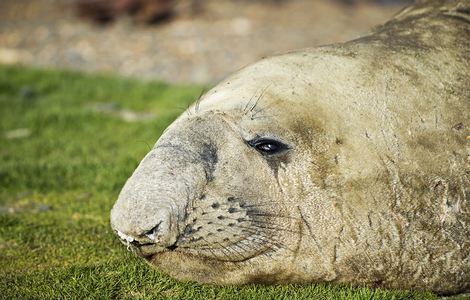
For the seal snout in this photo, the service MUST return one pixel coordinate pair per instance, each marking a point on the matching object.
(158, 232)
(154, 235)
(149, 212)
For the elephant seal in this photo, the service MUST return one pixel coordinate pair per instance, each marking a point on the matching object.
(347, 163)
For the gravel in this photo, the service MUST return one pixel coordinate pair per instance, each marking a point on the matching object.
(201, 48)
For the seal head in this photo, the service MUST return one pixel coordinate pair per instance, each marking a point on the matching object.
(347, 163)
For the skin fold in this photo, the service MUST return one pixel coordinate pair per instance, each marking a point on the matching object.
(347, 163)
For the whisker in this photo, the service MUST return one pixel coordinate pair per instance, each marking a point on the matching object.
(185, 109)
(245, 109)
(259, 97)
(233, 229)
(222, 250)
(271, 241)
(256, 222)
(261, 117)
(254, 231)
(267, 225)
(259, 221)
(210, 249)
(198, 101)
(232, 246)
(259, 214)
(148, 146)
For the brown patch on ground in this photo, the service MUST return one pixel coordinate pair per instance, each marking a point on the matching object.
(199, 48)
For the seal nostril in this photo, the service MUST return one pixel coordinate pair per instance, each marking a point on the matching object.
(151, 234)
(140, 243)
(172, 247)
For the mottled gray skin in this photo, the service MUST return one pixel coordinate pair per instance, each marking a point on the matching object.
(373, 189)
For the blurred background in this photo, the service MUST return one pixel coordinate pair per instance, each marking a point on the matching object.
(177, 41)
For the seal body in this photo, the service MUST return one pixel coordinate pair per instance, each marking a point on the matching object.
(347, 163)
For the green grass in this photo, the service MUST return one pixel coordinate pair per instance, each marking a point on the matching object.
(57, 186)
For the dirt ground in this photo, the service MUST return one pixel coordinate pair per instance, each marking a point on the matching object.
(201, 48)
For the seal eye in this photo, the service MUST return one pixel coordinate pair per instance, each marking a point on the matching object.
(268, 146)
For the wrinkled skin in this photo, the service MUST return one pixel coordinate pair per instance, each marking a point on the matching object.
(369, 182)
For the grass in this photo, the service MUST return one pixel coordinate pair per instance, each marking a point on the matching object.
(62, 164)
